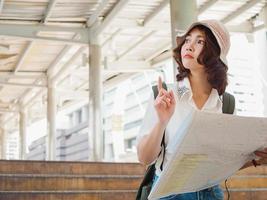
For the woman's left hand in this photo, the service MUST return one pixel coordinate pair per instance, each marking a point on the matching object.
(262, 154)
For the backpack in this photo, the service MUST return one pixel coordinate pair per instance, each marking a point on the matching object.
(146, 184)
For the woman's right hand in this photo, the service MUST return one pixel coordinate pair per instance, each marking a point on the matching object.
(164, 104)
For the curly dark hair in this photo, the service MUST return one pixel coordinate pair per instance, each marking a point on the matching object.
(209, 57)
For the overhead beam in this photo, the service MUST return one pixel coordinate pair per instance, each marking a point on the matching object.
(23, 85)
(113, 13)
(4, 47)
(127, 66)
(162, 57)
(240, 11)
(52, 67)
(152, 15)
(21, 60)
(97, 12)
(28, 32)
(5, 59)
(7, 104)
(260, 27)
(23, 56)
(31, 101)
(72, 94)
(107, 84)
(113, 35)
(22, 98)
(8, 111)
(206, 6)
(22, 75)
(159, 50)
(131, 23)
(65, 68)
(8, 118)
(245, 27)
(134, 45)
(159, 26)
(128, 70)
(82, 85)
(49, 9)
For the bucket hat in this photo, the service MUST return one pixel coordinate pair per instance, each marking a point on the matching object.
(218, 30)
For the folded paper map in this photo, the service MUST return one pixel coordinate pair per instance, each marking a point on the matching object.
(210, 147)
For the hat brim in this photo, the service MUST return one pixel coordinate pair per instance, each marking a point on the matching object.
(180, 37)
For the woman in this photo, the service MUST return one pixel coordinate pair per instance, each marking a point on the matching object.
(202, 79)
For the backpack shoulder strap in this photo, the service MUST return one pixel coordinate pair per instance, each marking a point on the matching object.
(156, 92)
(228, 103)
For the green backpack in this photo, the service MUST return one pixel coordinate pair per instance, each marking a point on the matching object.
(146, 185)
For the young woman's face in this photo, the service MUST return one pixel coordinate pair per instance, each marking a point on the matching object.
(191, 49)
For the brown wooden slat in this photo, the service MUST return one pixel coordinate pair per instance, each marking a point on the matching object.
(62, 167)
(249, 182)
(247, 195)
(62, 196)
(259, 170)
(8, 183)
(258, 195)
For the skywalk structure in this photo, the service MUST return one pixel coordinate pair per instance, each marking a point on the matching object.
(56, 53)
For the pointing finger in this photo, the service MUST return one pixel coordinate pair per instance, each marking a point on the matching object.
(159, 84)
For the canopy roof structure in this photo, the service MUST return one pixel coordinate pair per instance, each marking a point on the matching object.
(44, 41)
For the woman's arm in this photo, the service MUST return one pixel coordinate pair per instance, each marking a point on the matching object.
(262, 155)
(246, 165)
(163, 106)
(150, 145)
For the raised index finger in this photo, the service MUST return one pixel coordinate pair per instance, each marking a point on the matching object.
(159, 84)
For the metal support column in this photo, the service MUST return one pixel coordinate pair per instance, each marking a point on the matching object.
(51, 121)
(96, 146)
(183, 13)
(22, 133)
(3, 143)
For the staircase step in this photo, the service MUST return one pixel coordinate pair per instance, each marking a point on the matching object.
(56, 180)
(247, 182)
(68, 167)
(107, 195)
(70, 195)
(247, 195)
(259, 170)
(21, 183)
